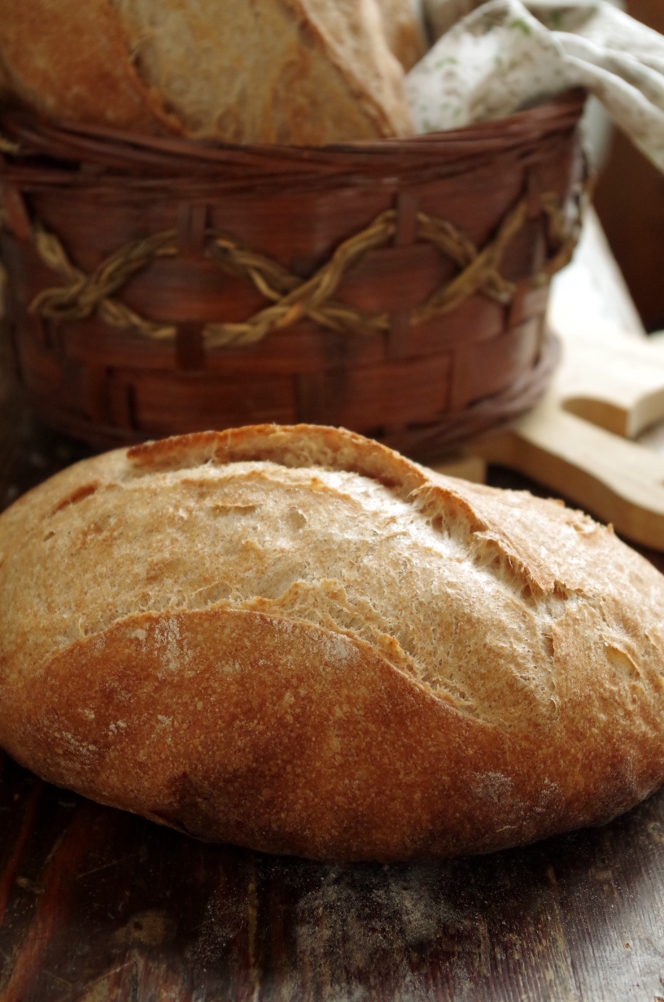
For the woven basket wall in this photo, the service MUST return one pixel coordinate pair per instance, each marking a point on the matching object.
(159, 287)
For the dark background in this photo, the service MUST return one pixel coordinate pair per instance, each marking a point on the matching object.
(630, 203)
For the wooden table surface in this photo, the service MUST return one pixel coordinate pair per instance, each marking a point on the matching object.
(98, 905)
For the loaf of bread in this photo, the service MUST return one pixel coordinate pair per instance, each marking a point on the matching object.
(296, 640)
(270, 71)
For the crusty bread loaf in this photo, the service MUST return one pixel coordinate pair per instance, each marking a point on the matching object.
(296, 640)
(269, 71)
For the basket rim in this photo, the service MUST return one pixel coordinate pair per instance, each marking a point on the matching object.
(71, 141)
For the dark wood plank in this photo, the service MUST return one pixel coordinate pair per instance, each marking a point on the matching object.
(103, 905)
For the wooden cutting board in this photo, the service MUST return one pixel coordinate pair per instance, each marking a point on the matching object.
(583, 439)
(596, 437)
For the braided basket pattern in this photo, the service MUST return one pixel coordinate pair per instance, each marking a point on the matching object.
(397, 288)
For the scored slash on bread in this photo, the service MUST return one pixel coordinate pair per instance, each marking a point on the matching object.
(297, 640)
(271, 71)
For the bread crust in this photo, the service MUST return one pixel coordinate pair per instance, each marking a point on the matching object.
(307, 72)
(304, 72)
(70, 60)
(284, 715)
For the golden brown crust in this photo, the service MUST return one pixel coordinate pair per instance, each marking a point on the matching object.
(297, 640)
(273, 71)
(70, 60)
(307, 72)
(236, 726)
(353, 36)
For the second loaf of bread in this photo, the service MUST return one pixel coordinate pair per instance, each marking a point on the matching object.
(294, 639)
(303, 72)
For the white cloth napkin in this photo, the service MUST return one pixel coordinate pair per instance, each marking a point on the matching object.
(506, 55)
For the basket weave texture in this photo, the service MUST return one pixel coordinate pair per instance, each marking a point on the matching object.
(396, 288)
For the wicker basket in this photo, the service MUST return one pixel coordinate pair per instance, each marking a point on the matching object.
(396, 288)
